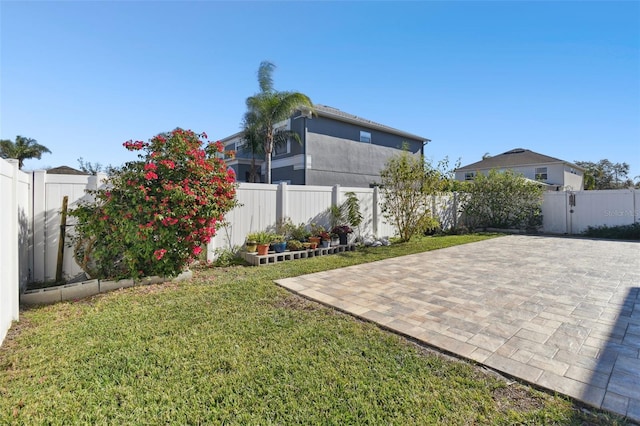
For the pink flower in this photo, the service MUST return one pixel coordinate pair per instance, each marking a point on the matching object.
(159, 254)
(197, 250)
(151, 175)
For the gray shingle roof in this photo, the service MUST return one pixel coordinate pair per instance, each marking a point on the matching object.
(513, 158)
(65, 170)
(336, 114)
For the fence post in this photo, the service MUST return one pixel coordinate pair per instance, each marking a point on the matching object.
(374, 211)
(14, 236)
(282, 202)
(38, 216)
(455, 210)
(336, 198)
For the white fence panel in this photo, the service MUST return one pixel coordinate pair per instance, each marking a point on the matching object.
(554, 212)
(48, 193)
(257, 212)
(368, 207)
(591, 208)
(308, 204)
(24, 200)
(14, 231)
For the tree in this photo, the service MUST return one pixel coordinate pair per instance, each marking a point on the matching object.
(502, 200)
(95, 168)
(22, 149)
(605, 175)
(267, 108)
(253, 141)
(406, 183)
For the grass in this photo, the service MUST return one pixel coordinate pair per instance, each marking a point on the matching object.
(230, 347)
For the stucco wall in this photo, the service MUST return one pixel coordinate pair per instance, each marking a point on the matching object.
(336, 161)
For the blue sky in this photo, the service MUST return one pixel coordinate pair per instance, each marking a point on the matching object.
(559, 78)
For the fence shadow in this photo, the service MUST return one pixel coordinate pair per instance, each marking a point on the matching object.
(616, 374)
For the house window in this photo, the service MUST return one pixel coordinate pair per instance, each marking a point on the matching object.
(365, 137)
(282, 149)
(239, 147)
(469, 175)
(541, 173)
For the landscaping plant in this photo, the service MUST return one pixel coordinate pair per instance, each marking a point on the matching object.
(407, 183)
(153, 215)
(502, 199)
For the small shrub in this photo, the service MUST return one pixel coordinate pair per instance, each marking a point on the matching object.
(621, 232)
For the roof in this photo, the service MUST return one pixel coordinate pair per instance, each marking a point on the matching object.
(65, 170)
(336, 114)
(514, 158)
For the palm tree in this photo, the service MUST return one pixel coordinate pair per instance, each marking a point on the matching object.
(268, 107)
(22, 149)
(252, 141)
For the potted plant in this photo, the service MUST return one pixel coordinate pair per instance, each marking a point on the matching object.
(316, 230)
(342, 231)
(294, 245)
(251, 244)
(325, 238)
(278, 243)
(264, 239)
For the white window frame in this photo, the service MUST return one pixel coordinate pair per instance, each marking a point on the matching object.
(365, 137)
(469, 175)
(541, 174)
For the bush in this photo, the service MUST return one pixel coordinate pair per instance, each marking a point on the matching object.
(157, 212)
(622, 232)
(407, 182)
(502, 200)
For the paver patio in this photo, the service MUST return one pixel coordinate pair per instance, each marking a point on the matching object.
(561, 313)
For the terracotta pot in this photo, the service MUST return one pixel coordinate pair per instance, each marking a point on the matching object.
(314, 240)
(263, 249)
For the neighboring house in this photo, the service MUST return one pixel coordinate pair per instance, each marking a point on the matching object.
(335, 148)
(558, 175)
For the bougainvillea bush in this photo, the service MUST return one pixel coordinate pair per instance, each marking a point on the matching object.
(155, 214)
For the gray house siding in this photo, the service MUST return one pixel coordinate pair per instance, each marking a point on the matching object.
(347, 163)
(348, 131)
(331, 152)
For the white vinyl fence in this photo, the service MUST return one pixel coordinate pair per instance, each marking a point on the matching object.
(14, 244)
(264, 206)
(572, 212)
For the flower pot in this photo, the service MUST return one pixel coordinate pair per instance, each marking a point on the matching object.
(251, 246)
(325, 243)
(279, 247)
(263, 249)
(343, 239)
(313, 245)
(314, 240)
(335, 242)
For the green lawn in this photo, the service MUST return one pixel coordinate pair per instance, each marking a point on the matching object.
(230, 347)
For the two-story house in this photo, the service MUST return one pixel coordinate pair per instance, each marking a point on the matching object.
(555, 173)
(336, 148)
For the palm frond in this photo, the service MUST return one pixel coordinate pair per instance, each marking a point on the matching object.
(265, 79)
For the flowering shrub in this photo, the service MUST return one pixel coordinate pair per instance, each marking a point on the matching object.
(155, 213)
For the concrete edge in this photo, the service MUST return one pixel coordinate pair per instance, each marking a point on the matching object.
(80, 290)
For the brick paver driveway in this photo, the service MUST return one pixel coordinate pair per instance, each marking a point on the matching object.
(561, 313)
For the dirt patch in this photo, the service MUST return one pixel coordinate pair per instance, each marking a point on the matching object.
(292, 301)
(517, 398)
